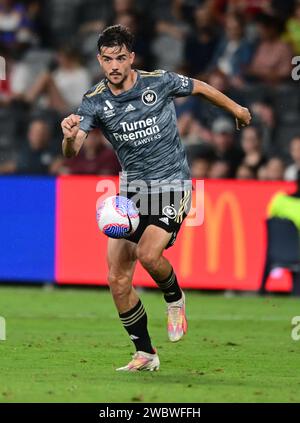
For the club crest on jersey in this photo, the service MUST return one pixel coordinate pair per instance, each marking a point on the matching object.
(149, 97)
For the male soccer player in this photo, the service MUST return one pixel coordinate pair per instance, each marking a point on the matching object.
(135, 111)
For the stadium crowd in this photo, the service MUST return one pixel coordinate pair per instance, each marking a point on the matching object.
(242, 47)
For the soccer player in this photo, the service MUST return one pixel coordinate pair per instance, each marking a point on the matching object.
(135, 111)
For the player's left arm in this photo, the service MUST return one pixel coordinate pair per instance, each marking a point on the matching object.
(241, 114)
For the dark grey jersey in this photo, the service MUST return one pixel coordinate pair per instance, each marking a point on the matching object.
(141, 126)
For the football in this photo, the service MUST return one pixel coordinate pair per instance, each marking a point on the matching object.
(117, 217)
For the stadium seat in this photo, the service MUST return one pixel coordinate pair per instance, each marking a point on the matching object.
(283, 250)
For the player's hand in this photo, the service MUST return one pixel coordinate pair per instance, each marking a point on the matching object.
(70, 126)
(242, 117)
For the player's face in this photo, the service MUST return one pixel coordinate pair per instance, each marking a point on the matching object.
(116, 63)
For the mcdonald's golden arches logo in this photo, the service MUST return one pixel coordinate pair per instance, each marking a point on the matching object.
(214, 219)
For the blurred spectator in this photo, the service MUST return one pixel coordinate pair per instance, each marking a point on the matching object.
(18, 78)
(292, 170)
(272, 60)
(171, 31)
(190, 121)
(133, 15)
(287, 206)
(251, 142)
(220, 169)
(234, 52)
(95, 157)
(247, 8)
(263, 112)
(196, 115)
(224, 143)
(60, 21)
(93, 15)
(66, 85)
(275, 168)
(250, 8)
(5, 86)
(245, 172)
(262, 174)
(141, 44)
(283, 9)
(123, 6)
(283, 248)
(200, 158)
(15, 26)
(200, 44)
(292, 34)
(207, 112)
(264, 116)
(118, 8)
(200, 168)
(35, 157)
(187, 36)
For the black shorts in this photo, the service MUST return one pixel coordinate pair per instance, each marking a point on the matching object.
(166, 210)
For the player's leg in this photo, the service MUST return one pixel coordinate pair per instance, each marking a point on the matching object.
(150, 254)
(121, 259)
(160, 234)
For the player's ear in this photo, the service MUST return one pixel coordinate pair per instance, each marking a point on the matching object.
(132, 57)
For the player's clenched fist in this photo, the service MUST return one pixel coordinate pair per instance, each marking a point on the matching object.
(70, 126)
(242, 117)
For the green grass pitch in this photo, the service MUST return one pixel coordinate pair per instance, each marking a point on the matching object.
(63, 345)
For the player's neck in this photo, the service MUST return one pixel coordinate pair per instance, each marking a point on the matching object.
(126, 85)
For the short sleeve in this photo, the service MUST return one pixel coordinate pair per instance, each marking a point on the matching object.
(86, 111)
(178, 85)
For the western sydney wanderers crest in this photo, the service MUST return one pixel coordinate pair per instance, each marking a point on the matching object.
(149, 97)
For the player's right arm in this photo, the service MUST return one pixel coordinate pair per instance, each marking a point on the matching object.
(73, 136)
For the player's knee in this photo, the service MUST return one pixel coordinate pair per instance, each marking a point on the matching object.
(119, 285)
(148, 259)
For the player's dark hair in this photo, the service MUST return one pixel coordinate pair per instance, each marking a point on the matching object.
(116, 36)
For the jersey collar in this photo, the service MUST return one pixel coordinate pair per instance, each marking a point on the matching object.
(124, 93)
